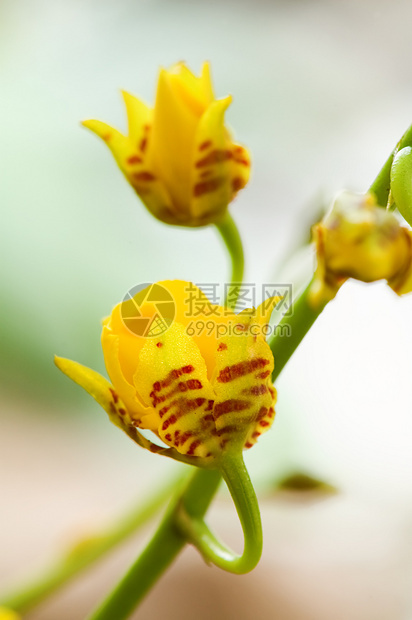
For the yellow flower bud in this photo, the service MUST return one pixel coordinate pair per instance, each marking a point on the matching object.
(179, 156)
(357, 239)
(199, 390)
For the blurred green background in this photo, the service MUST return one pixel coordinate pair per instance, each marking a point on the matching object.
(322, 91)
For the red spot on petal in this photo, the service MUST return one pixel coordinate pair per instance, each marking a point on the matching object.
(240, 157)
(170, 378)
(144, 175)
(163, 411)
(143, 144)
(194, 384)
(134, 159)
(214, 157)
(159, 344)
(257, 390)
(207, 186)
(184, 437)
(237, 184)
(156, 400)
(193, 447)
(242, 368)
(114, 395)
(168, 422)
(222, 347)
(191, 384)
(205, 145)
(230, 428)
(229, 406)
(263, 412)
(242, 327)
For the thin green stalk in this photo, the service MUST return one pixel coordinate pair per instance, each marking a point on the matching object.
(87, 552)
(230, 235)
(197, 532)
(161, 550)
(381, 186)
(291, 330)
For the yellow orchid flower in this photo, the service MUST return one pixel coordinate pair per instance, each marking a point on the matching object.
(358, 239)
(179, 156)
(201, 392)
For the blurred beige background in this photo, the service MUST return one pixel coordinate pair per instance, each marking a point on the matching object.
(322, 91)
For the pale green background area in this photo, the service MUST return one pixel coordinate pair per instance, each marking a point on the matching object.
(322, 91)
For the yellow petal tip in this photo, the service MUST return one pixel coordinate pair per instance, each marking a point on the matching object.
(88, 123)
(104, 131)
(225, 102)
(126, 96)
(59, 361)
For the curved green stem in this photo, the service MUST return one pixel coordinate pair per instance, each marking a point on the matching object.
(198, 533)
(230, 235)
(86, 552)
(381, 186)
(161, 550)
(291, 330)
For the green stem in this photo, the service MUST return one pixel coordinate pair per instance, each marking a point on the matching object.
(381, 186)
(401, 182)
(197, 532)
(87, 552)
(161, 550)
(230, 235)
(291, 330)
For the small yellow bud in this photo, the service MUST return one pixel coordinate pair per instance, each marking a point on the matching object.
(357, 239)
(179, 156)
